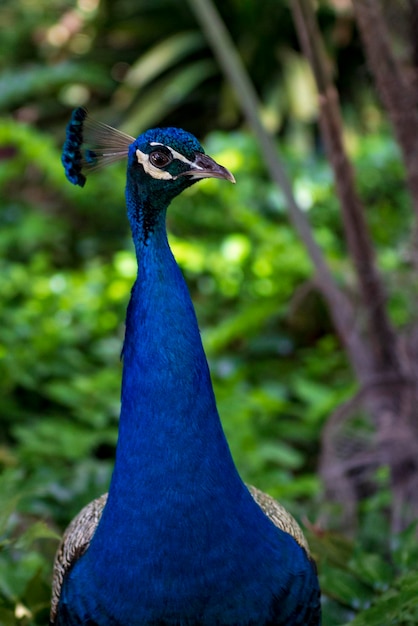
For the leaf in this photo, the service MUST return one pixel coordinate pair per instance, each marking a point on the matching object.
(345, 588)
(159, 58)
(372, 569)
(166, 94)
(22, 84)
(37, 594)
(38, 530)
(281, 454)
(405, 547)
(242, 324)
(398, 606)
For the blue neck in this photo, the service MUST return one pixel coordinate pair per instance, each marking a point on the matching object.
(170, 437)
(169, 432)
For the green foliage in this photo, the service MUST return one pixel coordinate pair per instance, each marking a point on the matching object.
(270, 345)
(379, 588)
(41, 81)
(26, 546)
(67, 267)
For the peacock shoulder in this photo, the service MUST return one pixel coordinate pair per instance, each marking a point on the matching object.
(279, 516)
(74, 543)
(80, 531)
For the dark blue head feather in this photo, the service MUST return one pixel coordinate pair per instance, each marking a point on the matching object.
(177, 138)
(71, 154)
(90, 145)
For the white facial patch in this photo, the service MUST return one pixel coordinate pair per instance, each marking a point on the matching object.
(143, 159)
(155, 172)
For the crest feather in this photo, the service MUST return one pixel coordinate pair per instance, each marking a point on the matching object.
(91, 145)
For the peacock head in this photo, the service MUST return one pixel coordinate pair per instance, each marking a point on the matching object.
(165, 161)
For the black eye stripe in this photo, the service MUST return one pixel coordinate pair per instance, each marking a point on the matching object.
(160, 158)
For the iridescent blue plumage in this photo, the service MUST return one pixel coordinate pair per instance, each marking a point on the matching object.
(180, 542)
(71, 154)
(90, 145)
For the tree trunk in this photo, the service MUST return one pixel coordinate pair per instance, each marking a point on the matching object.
(396, 91)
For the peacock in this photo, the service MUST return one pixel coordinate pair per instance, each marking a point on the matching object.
(179, 540)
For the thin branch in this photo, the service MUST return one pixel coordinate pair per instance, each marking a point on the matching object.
(379, 329)
(231, 64)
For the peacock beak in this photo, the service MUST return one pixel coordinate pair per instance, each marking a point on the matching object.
(205, 167)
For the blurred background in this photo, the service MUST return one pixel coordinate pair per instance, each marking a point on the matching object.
(302, 408)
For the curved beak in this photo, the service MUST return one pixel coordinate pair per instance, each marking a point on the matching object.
(205, 167)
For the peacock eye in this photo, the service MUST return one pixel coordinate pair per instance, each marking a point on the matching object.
(160, 159)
